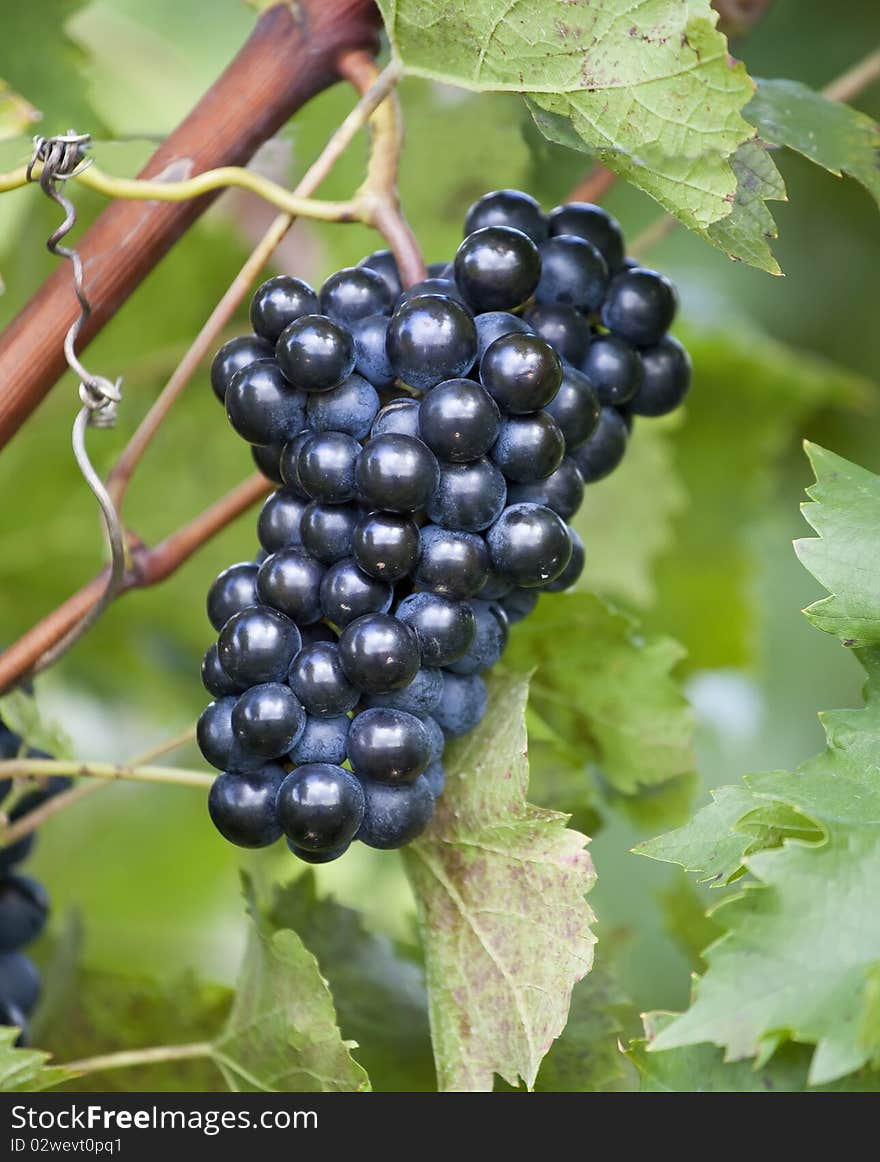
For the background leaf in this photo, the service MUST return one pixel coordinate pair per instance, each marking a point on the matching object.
(19, 710)
(26, 1069)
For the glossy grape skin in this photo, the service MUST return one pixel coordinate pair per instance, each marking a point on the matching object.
(19, 981)
(489, 642)
(268, 460)
(572, 570)
(528, 448)
(278, 302)
(614, 369)
(575, 407)
(518, 604)
(233, 356)
(319, 681)
(442, 287)
(395, 816)
(666, 378)
(510, 208)
(290, 581)
(529, 544)
(462, 705)
(584, 220)
(493, 324)
(445, 628)
(268, 719)
(320, 807)
(214, 678)
(458, 420)
(289, 462)
(396, 473)
(522, 373)
(371, 360)
(24, 906)
(324, 740)
(258, 645)
(379, 653)
(435, 777)
(453, 563)
(354, 293)
(233, 590)
(431, 339)
(217, 739)
(242, 807)
(497, 268)
(349, 408)
(327, 530)
(278, 525)
(388, 746)
(468, 497)
(262, 406)
(347, 593)
(326, 466)
(563, 327)
(572, 271)
(562, 491)
(419, 697)
(315, 353)
(640, 306)
(605, 448)
(400, 417)
(385, 265)
(386, 545)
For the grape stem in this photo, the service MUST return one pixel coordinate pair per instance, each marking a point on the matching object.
(594, 186)
(155, 1055)
(47, 768)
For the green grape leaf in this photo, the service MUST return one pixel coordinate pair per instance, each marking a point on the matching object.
(25, 1070)
(829, 133)
(707, 843)
(649, 90)
(21, 714)
(845, 557)
(282, 1033)
(746, 231)
(500, 890)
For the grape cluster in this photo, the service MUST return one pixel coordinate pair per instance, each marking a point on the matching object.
(429, 445)
(24, 905)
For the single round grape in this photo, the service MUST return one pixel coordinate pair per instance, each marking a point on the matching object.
(290, 581)
(444, 288)
(395, 815)
(268, 460)
(435, 777)
(572, 570)
(278, 525)
(214, 678)
(509, 208)
(489, 642)
(518, 604)
(455, 564)
(326, 466)
(493, 324)
(444, 628)
(397, 473)
(458, 420)
(370, 337)
(349, 408)
(563, 327)
(320, 806)
(469, 497)
(324, 740)
(235, 355)
(562, 491)
(217, 739)
(379, 653)
(319, 682)
(528, 448)
(384, 264)
(289, 462)
(640, 306)
(462, 705)
(242, 807)
(431, 339)
(262, 406)
(233, 590)
(497, 268)
(400, 417)
(605, 448)
(529, 544)
(386, 545)
(572, 271)
(354, 293)
(666, 378)
(614, 369)
(575, 407)
(19, 980)
(268, 719)
(278, 302)
(522, 373)
(347, 593)
(24, 906)
(315, 353)
(419, 697)
(327, 530)
(258, 645)
(388, 746)
(592, 223)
